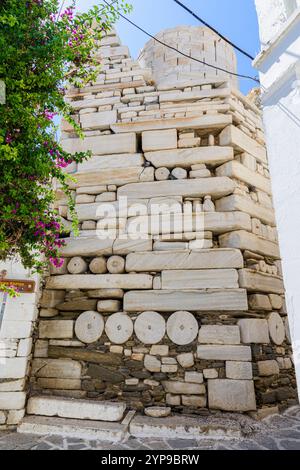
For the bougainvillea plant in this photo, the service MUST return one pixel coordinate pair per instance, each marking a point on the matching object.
(44, 48)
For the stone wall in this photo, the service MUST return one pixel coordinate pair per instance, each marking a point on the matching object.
(192, 317)
(201, 43)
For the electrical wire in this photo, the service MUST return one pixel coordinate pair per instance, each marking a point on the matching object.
(213, 29)
(248, 77)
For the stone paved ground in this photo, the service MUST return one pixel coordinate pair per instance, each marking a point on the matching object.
(277, 433)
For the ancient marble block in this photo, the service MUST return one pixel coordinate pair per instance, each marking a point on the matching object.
(219, 334)
(254, 330)
(101, 281)
(260, 282)
(231, 395)
(159, 140)
(249, 241)
(187, 260)
(240, 141)
(239, 370)
(102, 145)
(193, 300)
(224, 353)
(56, 329)
(185, 158)
(201, 279)
(268, 368)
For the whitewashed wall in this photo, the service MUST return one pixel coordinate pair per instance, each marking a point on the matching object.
(15, 346)
(279, 66)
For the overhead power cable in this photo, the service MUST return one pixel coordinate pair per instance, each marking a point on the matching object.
(214, 30)
(248, 77)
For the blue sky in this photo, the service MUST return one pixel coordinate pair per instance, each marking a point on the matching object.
(235, 19)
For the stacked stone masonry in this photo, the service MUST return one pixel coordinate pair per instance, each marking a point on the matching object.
(193, 317)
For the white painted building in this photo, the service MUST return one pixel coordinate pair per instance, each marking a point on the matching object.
(279, 67)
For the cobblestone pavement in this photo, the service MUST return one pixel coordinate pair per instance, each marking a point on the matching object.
(277, 433)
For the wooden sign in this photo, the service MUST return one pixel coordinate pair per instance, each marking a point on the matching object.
(23, 287)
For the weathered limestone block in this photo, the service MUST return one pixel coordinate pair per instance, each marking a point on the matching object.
(248, 241)
(217, 187)
(260, 282)
(86, 355)
(205, 259)
(56, 329)
(185, 158)
(268, 368)
(12, 400)
(56, 368)
(186, 360)
(168, 301)
(86, 247)
(237, 170)
(102, 145)
(217, 222)
(254, 330)
(104, 162)
(206, 122)
(106, 294)
(231, 395)
(124, 247)
(219, 334)
(94, 190)
(260, 302)
(119, 328)
(94, 102)
(12, 385)
(89, 327)
(77, 305)
(194, 401)
(276, 301)
(108, 306)
(175, 96)
(159, 140)
(100, 120)
(276, 328)
(51, 298)
(116, 176)
(157, 411)
(200, 279)
(236, 202)
(13, 368)
(182, 328)
(239, 370)
(76, 409)
(152, 364)
(224, 353)
(240, 141)
(193, 377)
(100, 281)
(150, 327)
(159, 350)
(59, 384)
(184, 388)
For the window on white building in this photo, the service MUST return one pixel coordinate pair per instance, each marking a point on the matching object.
(290, 7)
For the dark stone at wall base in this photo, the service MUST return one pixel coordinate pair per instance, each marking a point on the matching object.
(268, 397)
(285, 393)
(108, 375)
